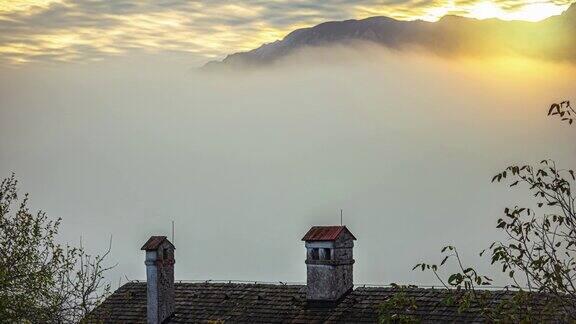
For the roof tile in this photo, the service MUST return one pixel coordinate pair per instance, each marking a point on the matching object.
(281, 304)
(325, 233)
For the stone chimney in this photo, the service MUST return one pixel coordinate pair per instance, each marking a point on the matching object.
(160, 278)
(329, 264)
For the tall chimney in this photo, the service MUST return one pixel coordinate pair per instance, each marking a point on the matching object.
(160, 278)
(329, 264)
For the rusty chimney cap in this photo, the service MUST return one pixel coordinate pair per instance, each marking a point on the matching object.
(325, 233)
(154, 242)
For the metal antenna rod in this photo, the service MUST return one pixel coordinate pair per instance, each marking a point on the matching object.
(173, 232)
(340, 217)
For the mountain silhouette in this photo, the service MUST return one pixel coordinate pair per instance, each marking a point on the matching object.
(553, 38)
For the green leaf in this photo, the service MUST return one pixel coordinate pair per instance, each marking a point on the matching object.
(444, 260)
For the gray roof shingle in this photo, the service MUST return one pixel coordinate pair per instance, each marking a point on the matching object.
(270, 303)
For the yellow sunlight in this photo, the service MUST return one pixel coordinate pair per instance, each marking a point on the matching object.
(529, 12)
(8, 6)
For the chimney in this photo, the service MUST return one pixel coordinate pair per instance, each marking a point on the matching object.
(160, 278)
(329, 264)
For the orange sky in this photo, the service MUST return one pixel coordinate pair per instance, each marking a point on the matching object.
(66, 30)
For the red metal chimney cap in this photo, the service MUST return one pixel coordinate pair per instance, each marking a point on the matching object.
(154, 242)
(325, 233)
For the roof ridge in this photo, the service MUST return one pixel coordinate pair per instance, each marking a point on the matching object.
(326, 233)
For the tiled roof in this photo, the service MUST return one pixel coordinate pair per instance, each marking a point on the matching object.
(153, 242)
(325, 233)
(269, 303)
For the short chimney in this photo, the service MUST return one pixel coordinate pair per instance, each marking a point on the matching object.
(160, 278)
(329, 264)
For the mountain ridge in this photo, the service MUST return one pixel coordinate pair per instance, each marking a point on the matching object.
(550, 38)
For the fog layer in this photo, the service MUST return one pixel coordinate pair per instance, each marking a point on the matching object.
(246, 162)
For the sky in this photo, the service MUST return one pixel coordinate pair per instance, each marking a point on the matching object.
(107, 123)
(87, 30)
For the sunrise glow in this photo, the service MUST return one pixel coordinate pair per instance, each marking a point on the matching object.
(209, 29)
(484, 10)
(530, 12)
(25, 6)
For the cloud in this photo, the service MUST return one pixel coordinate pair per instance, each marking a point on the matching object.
(125, 146)
(80, 30)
